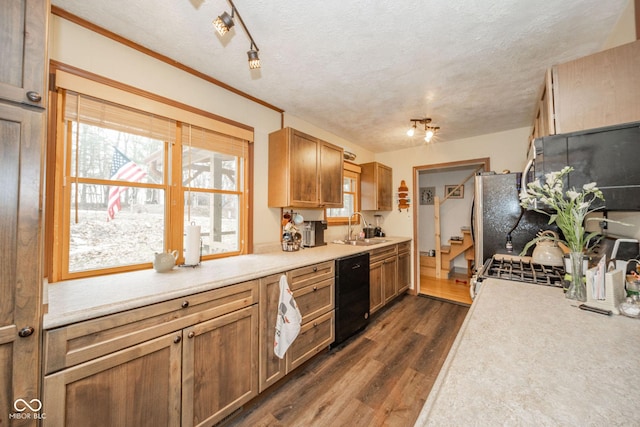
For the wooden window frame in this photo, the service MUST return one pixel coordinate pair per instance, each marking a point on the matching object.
(57, 219)
(353, 171)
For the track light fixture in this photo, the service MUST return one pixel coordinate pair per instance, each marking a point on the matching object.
(223, 24)
(429, 131)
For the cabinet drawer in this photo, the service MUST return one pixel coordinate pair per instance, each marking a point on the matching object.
(315, 300)
(404, 247)
(314, 337)
(73, 344)
(382, 253)
(307, 276)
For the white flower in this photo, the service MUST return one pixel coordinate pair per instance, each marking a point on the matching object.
(572, 194)
(590, 186)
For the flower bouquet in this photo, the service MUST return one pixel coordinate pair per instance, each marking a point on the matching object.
(568, 210)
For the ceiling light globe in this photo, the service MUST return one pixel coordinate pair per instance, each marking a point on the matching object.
(428, 135)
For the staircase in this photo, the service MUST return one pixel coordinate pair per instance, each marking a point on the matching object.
(449, 254)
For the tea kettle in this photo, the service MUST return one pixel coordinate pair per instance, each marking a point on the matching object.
(547, 251)
(165, 261)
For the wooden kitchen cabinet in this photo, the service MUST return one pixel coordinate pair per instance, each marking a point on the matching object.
(383, 284)
(24, 51)
(313, 290)
(376, 181)
(139, 385)
(598, 90)
(304, 171)
(23, 54)
(192, 359)
(219, 366)
(404, 267)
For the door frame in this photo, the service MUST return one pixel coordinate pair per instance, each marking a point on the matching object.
(482, 161)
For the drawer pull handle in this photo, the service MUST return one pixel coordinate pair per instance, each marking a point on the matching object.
(34, 96)
(315, 288)
(315, 324)
(177, 339)
(191, 334)
(315, 269)
(25, 332)
(185, 304)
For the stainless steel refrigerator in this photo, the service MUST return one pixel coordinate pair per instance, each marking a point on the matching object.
(496, 214)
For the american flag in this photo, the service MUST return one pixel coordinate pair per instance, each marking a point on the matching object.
(123, 169)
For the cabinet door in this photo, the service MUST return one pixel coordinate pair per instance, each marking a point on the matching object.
(314, 337)
(385, 188)
(138, 386)
(376, 298)
(20, 244)
(23, 43)
(219, 366)
(331, 175)
(598, 90)
(404, 271)
(304, 167)
(272, 368)
(389, 278)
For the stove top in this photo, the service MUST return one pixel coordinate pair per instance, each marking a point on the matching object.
(521, 269)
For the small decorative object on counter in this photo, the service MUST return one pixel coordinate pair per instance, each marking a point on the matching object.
(291, 237)
(571, 208)
(165, 261)
(403, 196)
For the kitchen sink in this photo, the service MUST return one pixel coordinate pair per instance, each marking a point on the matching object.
(363, 242)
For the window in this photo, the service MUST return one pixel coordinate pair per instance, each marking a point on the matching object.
(351, 196)
(128, 181)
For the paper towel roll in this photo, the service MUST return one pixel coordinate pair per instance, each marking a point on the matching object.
(192, 245)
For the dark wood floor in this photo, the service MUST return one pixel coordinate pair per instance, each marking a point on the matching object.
(379, 378)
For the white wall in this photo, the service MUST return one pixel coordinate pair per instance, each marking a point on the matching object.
(454, 213)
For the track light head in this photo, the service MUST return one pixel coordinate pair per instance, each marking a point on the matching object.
(254, 60)
(223, 23)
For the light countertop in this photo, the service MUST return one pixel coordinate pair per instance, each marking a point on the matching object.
(82, 299)
(525, 355)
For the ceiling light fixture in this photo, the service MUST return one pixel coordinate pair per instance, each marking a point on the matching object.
(429, 131)
(223, 24)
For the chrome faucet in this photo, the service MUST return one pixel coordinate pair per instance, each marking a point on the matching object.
(364, 224)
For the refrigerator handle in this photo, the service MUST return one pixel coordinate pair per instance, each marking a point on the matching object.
(523, 179)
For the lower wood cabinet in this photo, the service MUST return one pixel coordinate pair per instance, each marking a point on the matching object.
(389, 274)
(137, 386)
(313, 290)
(219, 366)
(194, 375)
(404, 267)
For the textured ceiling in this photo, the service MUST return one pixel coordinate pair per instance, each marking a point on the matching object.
(361, 69)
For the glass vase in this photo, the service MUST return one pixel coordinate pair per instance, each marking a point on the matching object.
(577, 289)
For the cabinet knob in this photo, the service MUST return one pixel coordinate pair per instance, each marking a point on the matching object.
(177, 339)
(34, 96)
(25, 332)
(191, 334)
(315, 288)
(315, 324)
(185, 304)
(315, 269)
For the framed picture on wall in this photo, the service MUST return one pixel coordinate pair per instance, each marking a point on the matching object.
(457, 194)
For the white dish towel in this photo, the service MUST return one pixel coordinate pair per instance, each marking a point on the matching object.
(288, 321)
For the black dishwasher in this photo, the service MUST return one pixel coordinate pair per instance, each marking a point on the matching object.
(352, 296)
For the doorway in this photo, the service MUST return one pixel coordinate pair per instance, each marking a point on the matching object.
(450, 225)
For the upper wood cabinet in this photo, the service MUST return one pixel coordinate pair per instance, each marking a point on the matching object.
(376, 182)
(24, 51)
(304, 171)
(598, 90)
